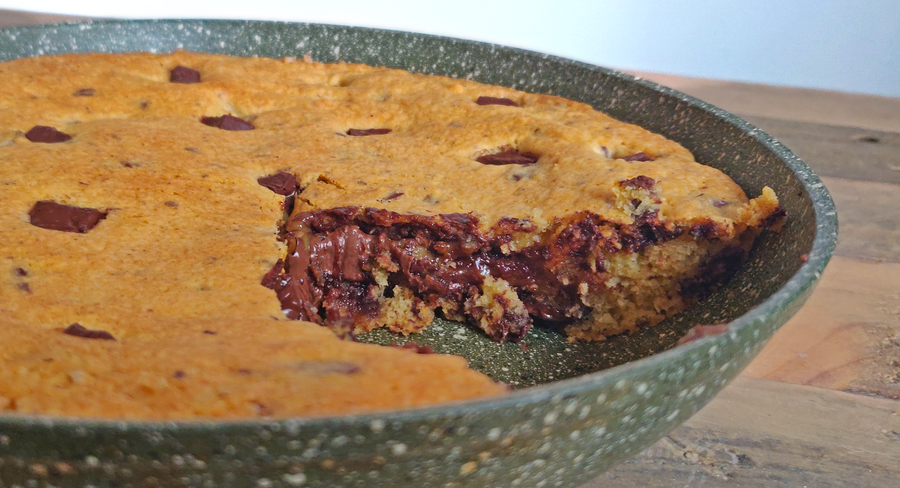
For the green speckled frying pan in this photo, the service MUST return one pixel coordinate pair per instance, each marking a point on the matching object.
(577, 410)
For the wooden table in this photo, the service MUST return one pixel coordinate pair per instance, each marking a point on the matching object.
(820, 406)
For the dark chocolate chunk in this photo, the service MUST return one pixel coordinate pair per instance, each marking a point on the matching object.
(56, 216)
(367, 132)
(227, 122)
(42, 133)
(179, 374)
(496, 101)
(412, 346)
(641, 156)
(704, 230)
(640, 181)
(775, 220)
(84, 92)
(280, 183)
(183, 74)
(393, 196)
(77, 330)
(21, 272)
(510, 156)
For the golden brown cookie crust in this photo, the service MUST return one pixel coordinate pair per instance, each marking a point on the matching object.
(188, 232)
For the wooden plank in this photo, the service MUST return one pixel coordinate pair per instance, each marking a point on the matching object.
(844, 338)
(869, 216)
(844, 152)
(759, 433)
(797, 104)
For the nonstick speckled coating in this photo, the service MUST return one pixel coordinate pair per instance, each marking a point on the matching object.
(578, 409)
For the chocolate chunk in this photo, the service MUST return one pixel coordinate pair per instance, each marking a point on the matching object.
(640, 181)
(227, 122)
(496, 101)
(328, 367)
(170, 203)
(704, 230)
(84, 92)
(393, 196)
(183, 74)
(56, 216)
(24, 287)
(280, 183)
(412, 346)
(21, 272)
(641, 156)
(367, 132)
(42, 133)
(210, 332)
(179, 374)
(77, 330)
(775, 220)
(508, 157)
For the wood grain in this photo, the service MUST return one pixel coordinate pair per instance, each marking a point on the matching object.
(869, 219)
(759, 433)
(786, 103)
(844, 152)
(835, 340)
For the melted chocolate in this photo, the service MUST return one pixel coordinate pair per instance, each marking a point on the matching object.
(327, 277)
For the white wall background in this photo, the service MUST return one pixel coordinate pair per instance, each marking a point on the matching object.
(843, 45)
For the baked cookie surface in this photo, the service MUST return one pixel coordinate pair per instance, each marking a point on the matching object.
(407, 194)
